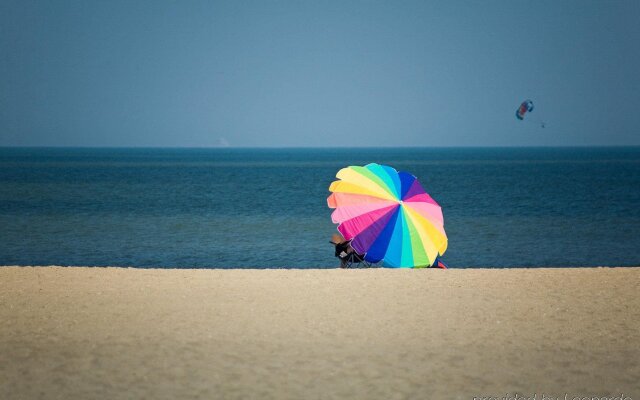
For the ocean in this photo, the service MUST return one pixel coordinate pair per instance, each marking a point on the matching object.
(266, 208)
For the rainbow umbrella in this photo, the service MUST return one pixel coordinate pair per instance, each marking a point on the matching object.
(388, 216)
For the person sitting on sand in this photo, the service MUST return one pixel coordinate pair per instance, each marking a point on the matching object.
(344, 250)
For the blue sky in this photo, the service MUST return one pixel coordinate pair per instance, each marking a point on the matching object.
(318, 73)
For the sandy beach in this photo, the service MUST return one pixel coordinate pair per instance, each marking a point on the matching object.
(118, 333)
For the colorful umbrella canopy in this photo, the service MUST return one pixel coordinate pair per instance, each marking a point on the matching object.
(388, 216)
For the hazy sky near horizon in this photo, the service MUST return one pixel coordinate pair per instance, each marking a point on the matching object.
(318, 73)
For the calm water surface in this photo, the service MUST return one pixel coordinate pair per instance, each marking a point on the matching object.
(266, 208)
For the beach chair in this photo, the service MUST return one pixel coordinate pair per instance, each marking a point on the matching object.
(347, 255)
